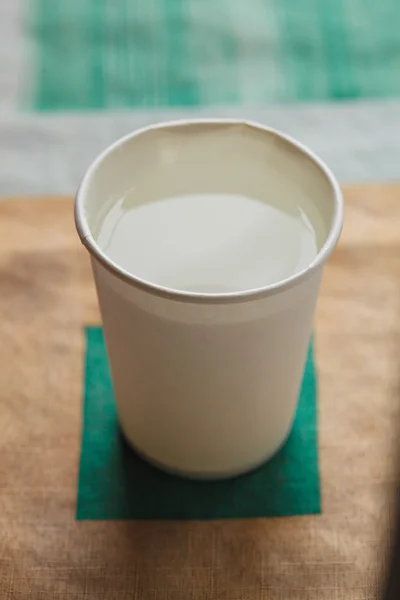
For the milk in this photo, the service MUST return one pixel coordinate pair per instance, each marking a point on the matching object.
(210, 243)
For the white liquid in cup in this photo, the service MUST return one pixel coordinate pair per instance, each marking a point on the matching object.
(208, 240)
(210, 243)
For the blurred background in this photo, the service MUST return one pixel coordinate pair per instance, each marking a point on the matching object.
(76, 74)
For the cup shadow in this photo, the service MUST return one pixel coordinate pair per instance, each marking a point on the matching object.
(147, 492)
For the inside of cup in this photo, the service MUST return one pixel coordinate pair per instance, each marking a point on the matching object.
(209, 207)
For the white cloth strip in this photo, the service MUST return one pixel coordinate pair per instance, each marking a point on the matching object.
(48, 154)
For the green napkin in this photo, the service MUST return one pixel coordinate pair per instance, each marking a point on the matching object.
(115, 483)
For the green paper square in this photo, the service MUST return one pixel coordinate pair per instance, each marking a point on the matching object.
(115, 483)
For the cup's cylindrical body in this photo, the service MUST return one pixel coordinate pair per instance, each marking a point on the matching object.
(206, 390)
(207, 384)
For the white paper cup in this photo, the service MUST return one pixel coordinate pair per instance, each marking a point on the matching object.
(206, 385)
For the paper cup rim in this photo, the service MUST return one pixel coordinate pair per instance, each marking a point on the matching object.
(95, 251)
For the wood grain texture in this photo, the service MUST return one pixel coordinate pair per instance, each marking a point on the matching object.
(47, 295)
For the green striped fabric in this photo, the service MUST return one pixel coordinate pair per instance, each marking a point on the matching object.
(154, 53)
